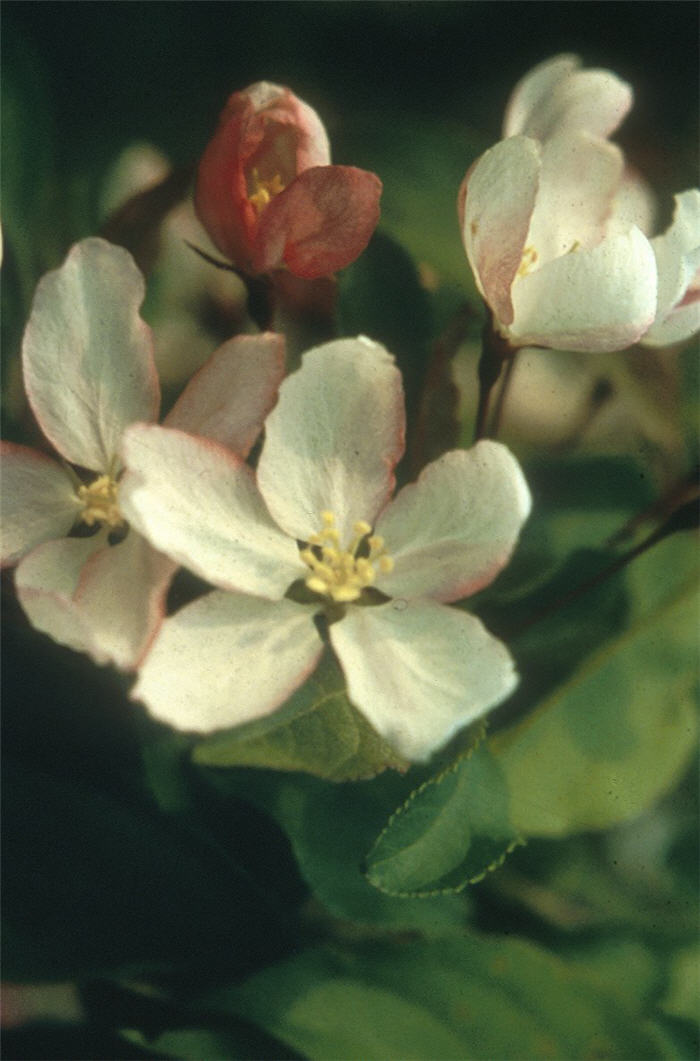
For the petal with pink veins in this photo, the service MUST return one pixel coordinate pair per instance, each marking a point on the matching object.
(451, 532)
(320, 223)
(39, 500)
(229, 398)
(496, 203)
(88, 355)
(226, 659)
(196, 501)
(105, 600)
(419, 671)
(334, 438)
(597, 300)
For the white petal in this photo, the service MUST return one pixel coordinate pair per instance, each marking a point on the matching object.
(419, 671)
(88, 355)
(579, 181)
(597, 300)
(197, 502)
(105, 600)
(678, 261)
(452, 531)
(496, 203)
(38, 500)
(333, 439)
(229, 398)
(227, 659)
(46, 580)
(556, 94)
(680, 324)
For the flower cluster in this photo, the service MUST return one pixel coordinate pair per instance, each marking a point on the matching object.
(308, 547)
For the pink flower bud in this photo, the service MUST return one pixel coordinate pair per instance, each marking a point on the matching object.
(268, 196)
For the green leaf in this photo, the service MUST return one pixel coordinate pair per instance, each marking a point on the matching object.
(615, 737)
(318, 732)
(449, 833)
(331, 828)
(468, 997)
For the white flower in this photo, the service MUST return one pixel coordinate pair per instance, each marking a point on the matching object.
(554, 224)
(89, 372)
(315, 533)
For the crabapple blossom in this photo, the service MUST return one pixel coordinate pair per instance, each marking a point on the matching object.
(268, 196)
(554, 224)
(313, 541)
(88, 369)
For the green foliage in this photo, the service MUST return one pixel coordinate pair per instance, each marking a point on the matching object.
(470, 997)
(448, 834)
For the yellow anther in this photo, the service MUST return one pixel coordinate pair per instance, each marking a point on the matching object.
(99, 500)
(264, 190)
(528, 261)
(341, 574)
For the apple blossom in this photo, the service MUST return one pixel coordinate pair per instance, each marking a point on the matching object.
(268, 196)
(315, 534)
(88, 369)
(544, 217)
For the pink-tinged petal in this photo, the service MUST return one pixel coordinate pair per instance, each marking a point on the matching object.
(496, 204)
(226, 659)
(320, 223)
(264, 132)
(580, 179)
(452, 531)
(105, 600)
(558, 95)
(420, 671)
(38, 500)
(334, 438)
(196, 501)
(597, 300)
(88, 355)
(229, 398)
(221, 193)
(677, 254)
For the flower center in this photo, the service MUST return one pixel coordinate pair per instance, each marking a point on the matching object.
(99, 500)
(528, 261)
(342, 574)
(264, 190)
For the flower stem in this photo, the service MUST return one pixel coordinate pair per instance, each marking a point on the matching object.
(495, 351)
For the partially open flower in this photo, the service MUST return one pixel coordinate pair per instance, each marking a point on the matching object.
(268, 196)
(84, 577)
(550, 221)
(316, 535)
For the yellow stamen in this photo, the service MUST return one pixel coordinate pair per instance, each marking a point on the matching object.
(99, 500)
(341, 574)
(264, 190)
(528, 261)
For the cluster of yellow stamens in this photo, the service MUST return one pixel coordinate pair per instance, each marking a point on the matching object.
(342, 574)
(264, 190)
(528, 261)
(100, 502)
